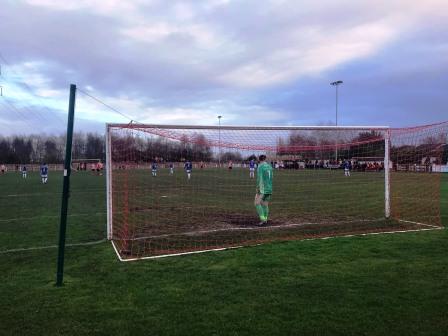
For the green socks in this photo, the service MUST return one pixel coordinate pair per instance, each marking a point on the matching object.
(260, 212)
(263, 212)
(266, 212)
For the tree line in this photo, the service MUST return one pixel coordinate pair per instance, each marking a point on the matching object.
(368, 144)
(321, 145)
(51, 149)
(41, 148)
(193, 148)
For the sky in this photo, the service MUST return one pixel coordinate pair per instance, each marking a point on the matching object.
(253, 62)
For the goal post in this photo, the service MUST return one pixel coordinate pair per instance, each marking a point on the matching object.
(387, 173)
(155, 208)
(108, 182)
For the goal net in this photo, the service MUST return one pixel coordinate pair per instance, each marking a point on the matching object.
(327, 181)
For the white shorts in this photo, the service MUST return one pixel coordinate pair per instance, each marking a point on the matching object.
(44, 176)
(188, 171)
(251, 169)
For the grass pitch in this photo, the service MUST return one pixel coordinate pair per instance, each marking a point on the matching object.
(170, 214)
(372, 285)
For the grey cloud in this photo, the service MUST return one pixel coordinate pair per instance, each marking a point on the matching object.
(16, 120)
(88, 48)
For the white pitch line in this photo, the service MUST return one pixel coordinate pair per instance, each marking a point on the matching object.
(116, 251)
(52, 216)
(178, 254)
(51, 246)
(307, 239)
(418, 223)
(375, 233)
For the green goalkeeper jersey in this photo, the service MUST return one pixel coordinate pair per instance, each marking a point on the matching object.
(264, 178)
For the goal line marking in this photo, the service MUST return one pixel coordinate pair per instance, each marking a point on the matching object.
(252, 245)
(52, 246)
(50, 216)
(178, 254)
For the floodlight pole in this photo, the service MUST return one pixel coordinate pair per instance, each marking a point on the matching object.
(66, 186)
(336, 84)
(219, 141)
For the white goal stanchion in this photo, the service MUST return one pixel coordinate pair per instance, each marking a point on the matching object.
(108, 183)
(386, 174)
(328, 181)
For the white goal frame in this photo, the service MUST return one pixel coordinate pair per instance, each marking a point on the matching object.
(384, 130)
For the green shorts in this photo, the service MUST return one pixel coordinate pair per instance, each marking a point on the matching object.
(266, 197)
(262, 198)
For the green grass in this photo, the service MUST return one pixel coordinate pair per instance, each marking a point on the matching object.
(372, 285)
(217, 206)
(29, 211)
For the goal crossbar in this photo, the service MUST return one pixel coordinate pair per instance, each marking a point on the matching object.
(249, 128)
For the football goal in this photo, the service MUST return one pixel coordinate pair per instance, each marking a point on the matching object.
(175, 189)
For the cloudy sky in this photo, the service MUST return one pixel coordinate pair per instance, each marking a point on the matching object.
(254, 62)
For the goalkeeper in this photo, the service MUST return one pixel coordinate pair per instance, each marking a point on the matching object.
(264, 190)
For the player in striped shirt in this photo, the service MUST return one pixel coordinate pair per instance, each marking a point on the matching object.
(264, 190)
(44, 173)
(188, 166)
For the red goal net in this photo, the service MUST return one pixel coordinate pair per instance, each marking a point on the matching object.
(185, 189)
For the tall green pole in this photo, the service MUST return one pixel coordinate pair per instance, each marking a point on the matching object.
(66, 186)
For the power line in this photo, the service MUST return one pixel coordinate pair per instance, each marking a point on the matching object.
(30, 90)
(32, 93)
(23, 111)
(19, 113)
(107, 105)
